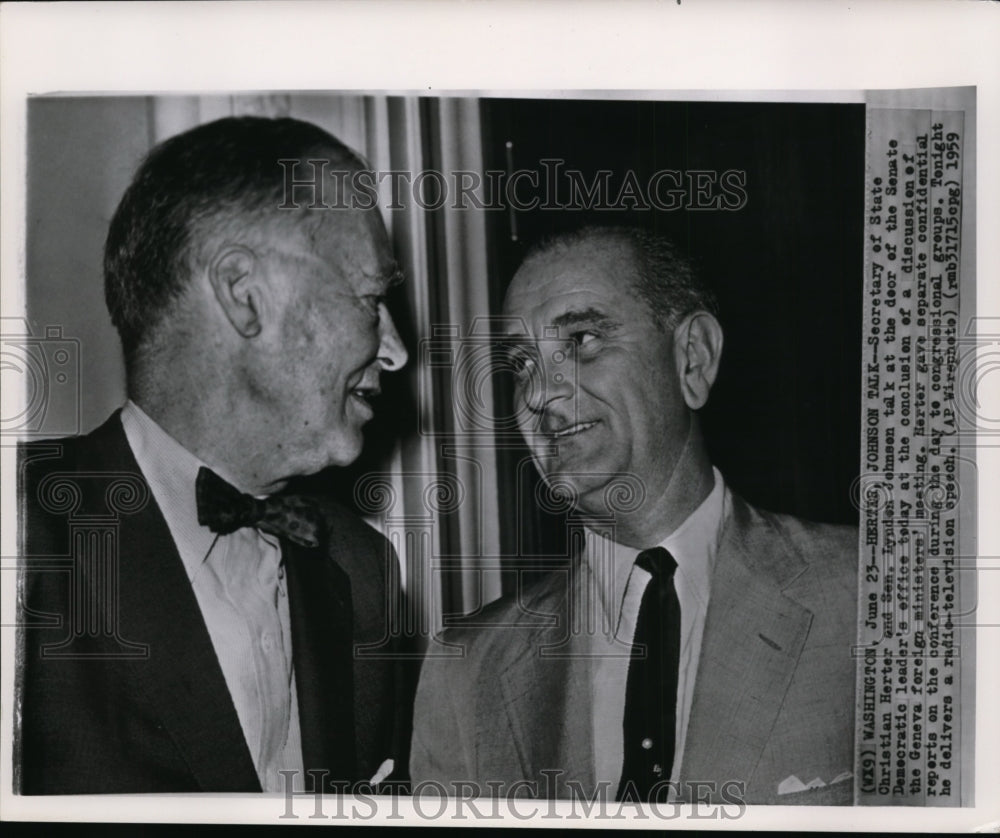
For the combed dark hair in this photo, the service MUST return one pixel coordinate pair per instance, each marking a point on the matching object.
(665, 279)
(221, 171)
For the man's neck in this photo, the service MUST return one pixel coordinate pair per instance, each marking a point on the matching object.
(658, 517)
(196, 425)
(664, 510)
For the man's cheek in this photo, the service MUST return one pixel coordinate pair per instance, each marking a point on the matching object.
(527, 422)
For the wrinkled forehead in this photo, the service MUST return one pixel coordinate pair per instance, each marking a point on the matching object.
(554, 289)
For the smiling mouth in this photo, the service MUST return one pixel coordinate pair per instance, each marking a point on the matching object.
(571, 430)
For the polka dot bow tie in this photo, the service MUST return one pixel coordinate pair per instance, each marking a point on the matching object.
(224, 509)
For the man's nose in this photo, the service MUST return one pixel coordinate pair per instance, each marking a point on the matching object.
(392, 354)
(548, 380)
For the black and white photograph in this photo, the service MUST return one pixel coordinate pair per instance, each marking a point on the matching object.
(562, 454)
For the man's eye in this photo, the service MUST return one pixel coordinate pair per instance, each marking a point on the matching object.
(583, 338)
(519, 362)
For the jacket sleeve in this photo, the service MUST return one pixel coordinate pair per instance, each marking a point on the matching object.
(442, 751)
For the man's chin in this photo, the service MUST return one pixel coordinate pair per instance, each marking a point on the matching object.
(590, 491)
(343, 451)
(578, 490)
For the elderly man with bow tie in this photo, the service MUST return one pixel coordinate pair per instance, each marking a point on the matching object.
(208, 643)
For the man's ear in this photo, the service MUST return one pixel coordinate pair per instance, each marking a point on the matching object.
(238, 280)
(697, 350)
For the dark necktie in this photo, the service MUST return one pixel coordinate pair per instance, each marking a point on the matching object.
(651, 689)
(224, 509)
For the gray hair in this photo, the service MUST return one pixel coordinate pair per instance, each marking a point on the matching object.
(664, 278)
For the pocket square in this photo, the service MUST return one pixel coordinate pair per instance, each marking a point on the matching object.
(792, 784)
(384, 770)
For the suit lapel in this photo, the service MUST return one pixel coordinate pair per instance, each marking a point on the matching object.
(547, 695)
(751, 645)
(181, 678)
(319, 594)
(753, 637)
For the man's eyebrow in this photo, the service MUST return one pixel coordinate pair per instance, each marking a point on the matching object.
(395, 276)
(586, 316)
(391, 277)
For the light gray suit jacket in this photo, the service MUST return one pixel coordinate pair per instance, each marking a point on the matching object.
(774, 692)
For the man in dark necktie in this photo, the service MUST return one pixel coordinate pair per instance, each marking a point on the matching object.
(700, 648)
(202, 634)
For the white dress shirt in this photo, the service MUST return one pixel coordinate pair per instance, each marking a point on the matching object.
(620, 586)
(238, 581)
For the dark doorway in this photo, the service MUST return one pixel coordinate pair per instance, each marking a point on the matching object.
(768, 201)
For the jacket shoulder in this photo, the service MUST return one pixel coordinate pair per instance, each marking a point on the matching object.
(355, 544)
(462, 666)
(38, 458)
(103, 447)
(814, 564)
(504, 628)
(45, 483)
(346, 521)
(829, 550)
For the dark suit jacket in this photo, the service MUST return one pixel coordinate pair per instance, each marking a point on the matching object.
(774, 691)
(120, 689)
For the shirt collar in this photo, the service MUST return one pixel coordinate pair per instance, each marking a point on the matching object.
(693, 545)
(170, 470)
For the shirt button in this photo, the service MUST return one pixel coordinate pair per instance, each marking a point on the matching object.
(266, 642)
(647, 743)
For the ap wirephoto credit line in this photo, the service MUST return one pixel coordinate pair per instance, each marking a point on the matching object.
(917, 631)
